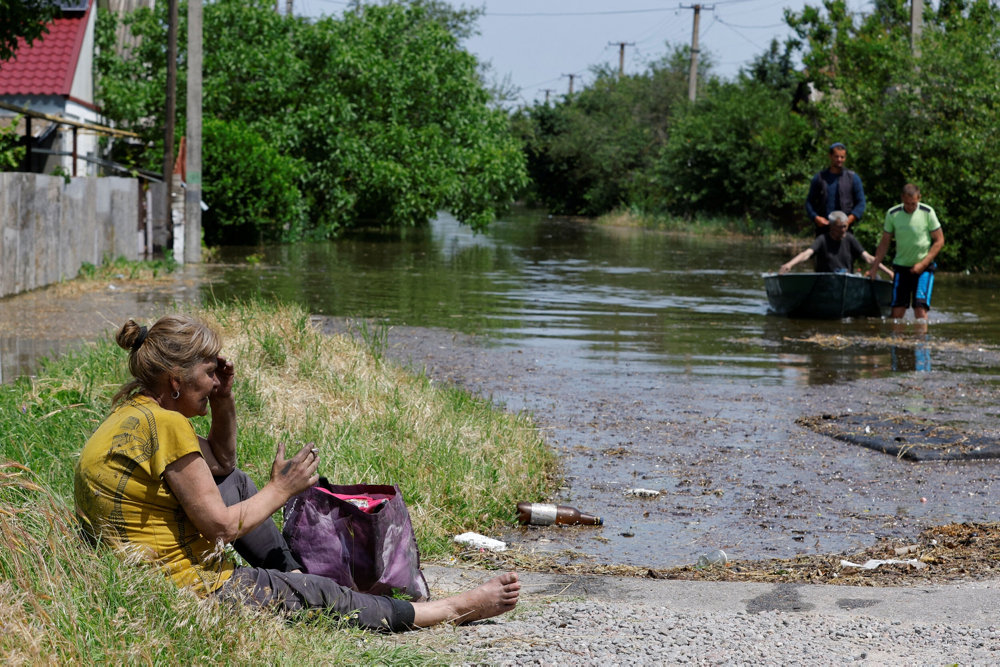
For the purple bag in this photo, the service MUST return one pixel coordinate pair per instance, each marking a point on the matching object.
(370, 552)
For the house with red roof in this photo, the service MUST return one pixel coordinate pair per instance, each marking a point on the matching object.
(54, 75)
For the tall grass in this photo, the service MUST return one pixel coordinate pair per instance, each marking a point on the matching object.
(700, 225)
(462, 465)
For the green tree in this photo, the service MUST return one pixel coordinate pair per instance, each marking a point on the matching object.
(256, 197)
(408, 127)
(381, 115)
(12, 148)
(594, 151)
(23, 19)
(922, 118)
(739, 151)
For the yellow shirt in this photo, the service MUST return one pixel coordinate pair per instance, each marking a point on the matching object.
(119, 490)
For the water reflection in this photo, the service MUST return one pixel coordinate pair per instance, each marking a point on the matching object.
(51, 321)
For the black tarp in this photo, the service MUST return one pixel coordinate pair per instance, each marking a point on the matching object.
(905, 437)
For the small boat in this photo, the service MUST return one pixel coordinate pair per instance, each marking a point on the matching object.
(828, 295)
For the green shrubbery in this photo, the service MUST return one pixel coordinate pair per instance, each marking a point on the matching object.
(313, 126)
(748, 148)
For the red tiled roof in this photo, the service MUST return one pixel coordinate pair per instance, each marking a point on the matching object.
(46, 67)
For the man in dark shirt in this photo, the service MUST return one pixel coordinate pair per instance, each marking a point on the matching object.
(835, 251)
(835, 189)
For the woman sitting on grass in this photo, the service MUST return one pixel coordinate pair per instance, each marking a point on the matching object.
(147, 481)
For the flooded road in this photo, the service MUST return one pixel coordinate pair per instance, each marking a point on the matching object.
(733, 468)
(650, 361)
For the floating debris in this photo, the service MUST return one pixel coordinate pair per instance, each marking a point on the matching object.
(642, 493)
(873, 563)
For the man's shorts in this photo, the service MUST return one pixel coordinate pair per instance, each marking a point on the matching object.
(909, 289)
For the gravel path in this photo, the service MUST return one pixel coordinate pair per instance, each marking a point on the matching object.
(635, 622)
(601, 633)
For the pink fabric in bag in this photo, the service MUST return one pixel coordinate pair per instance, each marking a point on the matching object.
(363, 503)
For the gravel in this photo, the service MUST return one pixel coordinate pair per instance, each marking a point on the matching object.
(606, 633)
(606, 620)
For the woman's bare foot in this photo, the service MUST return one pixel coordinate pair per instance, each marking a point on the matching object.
(497, 596)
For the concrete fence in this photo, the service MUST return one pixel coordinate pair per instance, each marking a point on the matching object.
(50, 227)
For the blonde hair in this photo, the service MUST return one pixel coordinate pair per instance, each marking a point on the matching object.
(174, 344)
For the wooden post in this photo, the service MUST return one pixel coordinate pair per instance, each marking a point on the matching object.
(27, 143)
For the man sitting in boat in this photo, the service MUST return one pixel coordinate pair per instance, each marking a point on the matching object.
(834, 251)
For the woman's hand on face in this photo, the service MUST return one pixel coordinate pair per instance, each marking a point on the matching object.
(225, 373)
(298, 473)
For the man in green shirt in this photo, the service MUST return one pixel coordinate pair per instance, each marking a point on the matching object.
(919, 239)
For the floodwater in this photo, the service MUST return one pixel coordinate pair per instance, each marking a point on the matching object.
(650, 361)
(600, 297)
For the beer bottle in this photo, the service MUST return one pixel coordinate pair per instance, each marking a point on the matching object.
(543, 514)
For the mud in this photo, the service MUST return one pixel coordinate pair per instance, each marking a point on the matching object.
(733, 468)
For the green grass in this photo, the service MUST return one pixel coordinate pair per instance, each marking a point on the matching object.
(698, 225)
(127, 269)
(462, 465)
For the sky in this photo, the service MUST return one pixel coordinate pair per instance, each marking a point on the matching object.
(535, 44)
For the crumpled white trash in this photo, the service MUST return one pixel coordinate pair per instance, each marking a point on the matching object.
(641, 493)
(871, 564)
(481, 542)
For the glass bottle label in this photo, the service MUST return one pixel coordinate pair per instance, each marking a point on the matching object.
(543, 514)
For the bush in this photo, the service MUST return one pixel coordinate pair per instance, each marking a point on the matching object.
(252, 190)
(739, 151)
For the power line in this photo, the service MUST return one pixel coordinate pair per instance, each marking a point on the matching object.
(744, 37)
(564, 14)
(751, 27)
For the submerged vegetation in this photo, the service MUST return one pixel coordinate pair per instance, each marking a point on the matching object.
(462, 465)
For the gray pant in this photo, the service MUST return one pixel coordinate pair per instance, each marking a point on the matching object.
(269, 583)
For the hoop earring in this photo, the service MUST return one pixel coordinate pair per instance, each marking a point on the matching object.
(175, 395)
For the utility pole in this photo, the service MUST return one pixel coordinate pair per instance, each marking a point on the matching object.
(571, 77)
(693, 75)
(288, 7)
(192, 194)
(547, 91)
(168, 136)
(621, 55)
(916, 25)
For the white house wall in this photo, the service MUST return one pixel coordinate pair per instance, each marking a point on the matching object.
(83, 77)
(86, 141)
